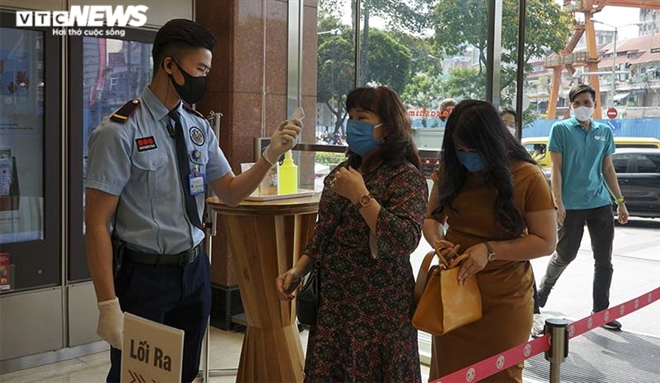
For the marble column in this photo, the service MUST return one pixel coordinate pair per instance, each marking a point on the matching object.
(248, 85)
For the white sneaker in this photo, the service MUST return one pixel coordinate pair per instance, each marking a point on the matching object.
(538, 325)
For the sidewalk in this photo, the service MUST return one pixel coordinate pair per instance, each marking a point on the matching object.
(636, 260)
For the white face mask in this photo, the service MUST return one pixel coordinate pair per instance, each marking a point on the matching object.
(512, 130)
(583, 113)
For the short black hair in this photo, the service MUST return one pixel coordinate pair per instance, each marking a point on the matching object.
(579, 89)
(178, 35)
(508, 110)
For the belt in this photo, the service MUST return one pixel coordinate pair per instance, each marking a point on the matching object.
(164, 259)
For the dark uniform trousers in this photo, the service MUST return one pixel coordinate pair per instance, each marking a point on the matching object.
(600, 222)
(178, 296)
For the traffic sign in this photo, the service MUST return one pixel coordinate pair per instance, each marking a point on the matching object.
(612, 113)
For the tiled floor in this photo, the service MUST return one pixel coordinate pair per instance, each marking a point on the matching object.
(637, 270)
(225, 353)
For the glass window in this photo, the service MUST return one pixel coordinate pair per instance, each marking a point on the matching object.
(335, 70)
(21, 135)
(648, 163)
(412, 48)
(618, 69)
(114, 71)
(620, 162)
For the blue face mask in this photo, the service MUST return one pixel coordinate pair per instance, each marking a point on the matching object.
(360, 137)
(473, 161)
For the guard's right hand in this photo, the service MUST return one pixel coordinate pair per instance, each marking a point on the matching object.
(111, 323)
(283, 139)
(287, 283)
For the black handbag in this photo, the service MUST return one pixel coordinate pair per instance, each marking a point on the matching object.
(309, 296)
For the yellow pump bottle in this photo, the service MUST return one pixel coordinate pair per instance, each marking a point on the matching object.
(287, 178)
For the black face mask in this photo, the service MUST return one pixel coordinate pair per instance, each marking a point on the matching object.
(193, 88)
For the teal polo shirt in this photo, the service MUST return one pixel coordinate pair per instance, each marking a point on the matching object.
(582, 152)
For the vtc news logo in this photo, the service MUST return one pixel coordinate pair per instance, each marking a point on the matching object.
(85, 16)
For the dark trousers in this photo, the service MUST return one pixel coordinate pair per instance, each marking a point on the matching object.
(537, 309)
(178, 296)
(600, 222)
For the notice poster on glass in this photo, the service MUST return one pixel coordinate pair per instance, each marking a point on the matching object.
(21, 135)
(5, 265)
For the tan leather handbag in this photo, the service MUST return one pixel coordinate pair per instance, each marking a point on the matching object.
(442, 304)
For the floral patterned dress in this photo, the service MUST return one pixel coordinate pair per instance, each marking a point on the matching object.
(364, 331)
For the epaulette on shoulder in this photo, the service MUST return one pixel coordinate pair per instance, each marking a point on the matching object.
(122, 114)
(193, 111)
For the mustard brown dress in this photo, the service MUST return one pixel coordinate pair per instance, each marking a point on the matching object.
(506, 286)
(364, 331)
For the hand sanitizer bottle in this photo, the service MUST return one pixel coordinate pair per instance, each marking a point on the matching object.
(287, 177)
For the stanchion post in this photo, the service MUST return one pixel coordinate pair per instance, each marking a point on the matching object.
(558, 346)
(211, 229)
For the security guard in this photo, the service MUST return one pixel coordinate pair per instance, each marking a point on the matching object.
(148, 167)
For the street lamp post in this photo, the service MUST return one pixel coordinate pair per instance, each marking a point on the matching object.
(616, 32)
(614, 54)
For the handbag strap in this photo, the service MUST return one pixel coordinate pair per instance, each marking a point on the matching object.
(422, 275)
(458, 260)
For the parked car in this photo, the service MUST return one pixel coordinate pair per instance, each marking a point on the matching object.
(537, 146)
(638, 171)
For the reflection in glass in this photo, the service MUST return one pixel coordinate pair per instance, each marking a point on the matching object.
(114, 71)
(336, 72)
(21, 135)
(625, 80)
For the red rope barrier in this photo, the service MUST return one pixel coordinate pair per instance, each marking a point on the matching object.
(517, 354)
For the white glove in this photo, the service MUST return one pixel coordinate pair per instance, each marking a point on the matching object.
(284, 137)
(111, 323)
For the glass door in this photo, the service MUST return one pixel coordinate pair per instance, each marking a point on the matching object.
(104, 74)
(29, 157)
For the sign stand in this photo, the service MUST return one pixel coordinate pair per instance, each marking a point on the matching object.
(210, 223)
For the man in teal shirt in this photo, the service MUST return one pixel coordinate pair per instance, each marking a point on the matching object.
(583, 181)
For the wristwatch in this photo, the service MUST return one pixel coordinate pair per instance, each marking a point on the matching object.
(363, 201)
(491, 252)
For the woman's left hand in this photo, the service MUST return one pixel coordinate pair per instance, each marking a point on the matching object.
(349, 184)
(474, 263)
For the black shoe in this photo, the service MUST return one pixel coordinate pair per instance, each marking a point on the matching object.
(613, 325)
(543, 298)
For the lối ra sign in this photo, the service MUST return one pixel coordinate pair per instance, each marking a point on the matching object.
(152, 352)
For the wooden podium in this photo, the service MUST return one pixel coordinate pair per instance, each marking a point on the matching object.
(265, 239)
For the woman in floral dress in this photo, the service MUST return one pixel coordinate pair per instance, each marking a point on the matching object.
(370, 219)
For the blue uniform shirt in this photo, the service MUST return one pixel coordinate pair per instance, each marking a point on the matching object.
(136, 160)
(583, 183)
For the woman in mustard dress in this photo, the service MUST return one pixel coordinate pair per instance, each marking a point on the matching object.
(498, 208)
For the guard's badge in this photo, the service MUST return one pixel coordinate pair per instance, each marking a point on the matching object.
(146, 143)
(196, 136)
